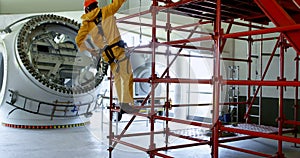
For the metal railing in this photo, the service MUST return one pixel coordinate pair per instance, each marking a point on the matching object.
(55, 109)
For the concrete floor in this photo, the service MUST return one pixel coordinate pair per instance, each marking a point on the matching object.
(90, 142)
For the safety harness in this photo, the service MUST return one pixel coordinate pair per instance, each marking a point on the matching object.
(109, 52)
(108, 48)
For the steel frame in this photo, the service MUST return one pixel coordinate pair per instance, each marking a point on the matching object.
(217, 81)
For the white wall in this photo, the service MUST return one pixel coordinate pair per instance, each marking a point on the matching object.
(46, 6)
(241, 51)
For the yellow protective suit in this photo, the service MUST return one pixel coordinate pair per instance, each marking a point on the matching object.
(123, 78)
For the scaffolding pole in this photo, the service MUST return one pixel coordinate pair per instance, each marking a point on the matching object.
(216, 81)
(219, 38)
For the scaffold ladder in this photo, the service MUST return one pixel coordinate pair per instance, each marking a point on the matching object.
(233, 93)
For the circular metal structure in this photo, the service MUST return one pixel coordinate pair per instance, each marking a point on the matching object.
(48, 51)
(44, 79)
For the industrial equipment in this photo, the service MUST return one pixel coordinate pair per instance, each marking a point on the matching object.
(44, 79)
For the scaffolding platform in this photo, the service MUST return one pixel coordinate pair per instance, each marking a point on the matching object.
(258, 128)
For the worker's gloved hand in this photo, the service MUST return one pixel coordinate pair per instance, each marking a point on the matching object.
(94, 52)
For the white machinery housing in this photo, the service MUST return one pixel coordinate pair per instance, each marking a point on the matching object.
(44, 80)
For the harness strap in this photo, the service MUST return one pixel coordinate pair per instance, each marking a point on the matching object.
(98, 21)
(108, 48)
(121, 60)
(109, 52)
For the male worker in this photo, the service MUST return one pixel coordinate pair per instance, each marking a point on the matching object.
(100, 25)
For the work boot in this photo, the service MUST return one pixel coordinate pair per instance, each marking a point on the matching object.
(126, 108)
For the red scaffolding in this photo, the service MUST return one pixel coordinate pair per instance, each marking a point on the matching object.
(217, 12)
